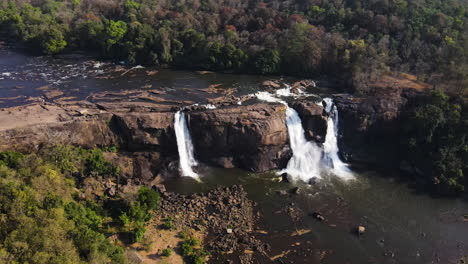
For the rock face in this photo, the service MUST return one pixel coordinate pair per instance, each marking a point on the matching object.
(252, 137)
(370, 126)
(314, 120)
(147, 131)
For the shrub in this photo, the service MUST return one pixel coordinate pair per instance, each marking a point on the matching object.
(11, 158)
(149, 198)
(167, 252)
(169, 224)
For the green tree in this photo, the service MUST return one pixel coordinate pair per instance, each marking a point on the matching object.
(267, 61)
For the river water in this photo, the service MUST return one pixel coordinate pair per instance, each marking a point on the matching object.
(402, 226)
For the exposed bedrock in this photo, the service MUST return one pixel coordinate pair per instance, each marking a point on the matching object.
(146, 131)
(370, 126)
(314, 119)
(252, 137)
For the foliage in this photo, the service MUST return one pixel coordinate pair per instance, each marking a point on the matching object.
(435, 141)
(41, 222)
(96, 164)
(192, 252)
(167, 252)
(354, 41)
(169, 223)
(11, 158)
(44, 217)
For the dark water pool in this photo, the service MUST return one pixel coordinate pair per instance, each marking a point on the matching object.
(401, 225)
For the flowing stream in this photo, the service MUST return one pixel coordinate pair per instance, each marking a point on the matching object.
(184, 146)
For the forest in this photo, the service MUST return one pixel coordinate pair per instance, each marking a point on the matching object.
(46, 215)
(354, 42)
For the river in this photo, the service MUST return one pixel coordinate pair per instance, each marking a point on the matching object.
(402, 226)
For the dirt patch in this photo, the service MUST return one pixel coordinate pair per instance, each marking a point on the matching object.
(400, 81)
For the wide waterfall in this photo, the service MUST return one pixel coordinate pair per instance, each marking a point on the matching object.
(330, 147)
(305, 162)
(184, 146)
(309, 159)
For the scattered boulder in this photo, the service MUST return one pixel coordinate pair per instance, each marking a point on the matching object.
(271, 85)
(295, 190)
(304, 84)
(313, 181)
(361, 230)
(282, 192)
(286, 178)
(318, 216)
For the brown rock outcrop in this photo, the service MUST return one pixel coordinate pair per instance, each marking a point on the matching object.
(314, 120)
(252, 137)
(146, 131)
(370, 125)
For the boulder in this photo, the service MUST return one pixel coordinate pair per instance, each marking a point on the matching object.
(361, 230)
(252, 137)
(314, 119)
(271, 85)
(318, 216)
(303, 85)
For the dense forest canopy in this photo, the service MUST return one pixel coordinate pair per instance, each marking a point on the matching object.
(355, 41)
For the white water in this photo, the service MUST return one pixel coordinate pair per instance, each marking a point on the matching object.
(184, 146)
(330, 147)
(309, 159)
(305, 162)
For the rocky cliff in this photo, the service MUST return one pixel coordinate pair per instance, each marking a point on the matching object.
(252, 136)
(370, 125)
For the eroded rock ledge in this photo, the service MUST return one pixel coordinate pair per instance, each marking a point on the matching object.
(251, 136)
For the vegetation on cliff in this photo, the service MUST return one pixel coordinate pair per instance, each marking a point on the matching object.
(356, 41)
(435, 141)
(45, 217)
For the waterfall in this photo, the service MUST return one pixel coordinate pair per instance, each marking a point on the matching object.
(330, 147)
(305, 162)
(184, 146)
(309, 159)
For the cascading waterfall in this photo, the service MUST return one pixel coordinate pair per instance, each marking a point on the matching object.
(305, 162)
(309, 160)
(330, 147)
(184, 146)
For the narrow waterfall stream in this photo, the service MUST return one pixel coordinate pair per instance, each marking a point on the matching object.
(330, 147)
(184, 146)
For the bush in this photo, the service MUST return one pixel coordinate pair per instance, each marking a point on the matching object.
(192, 254)
(169, 224)
(95, 163)
(149, 198)
(434, 141)
(139, 233)
(11, 158)
(167, 252)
